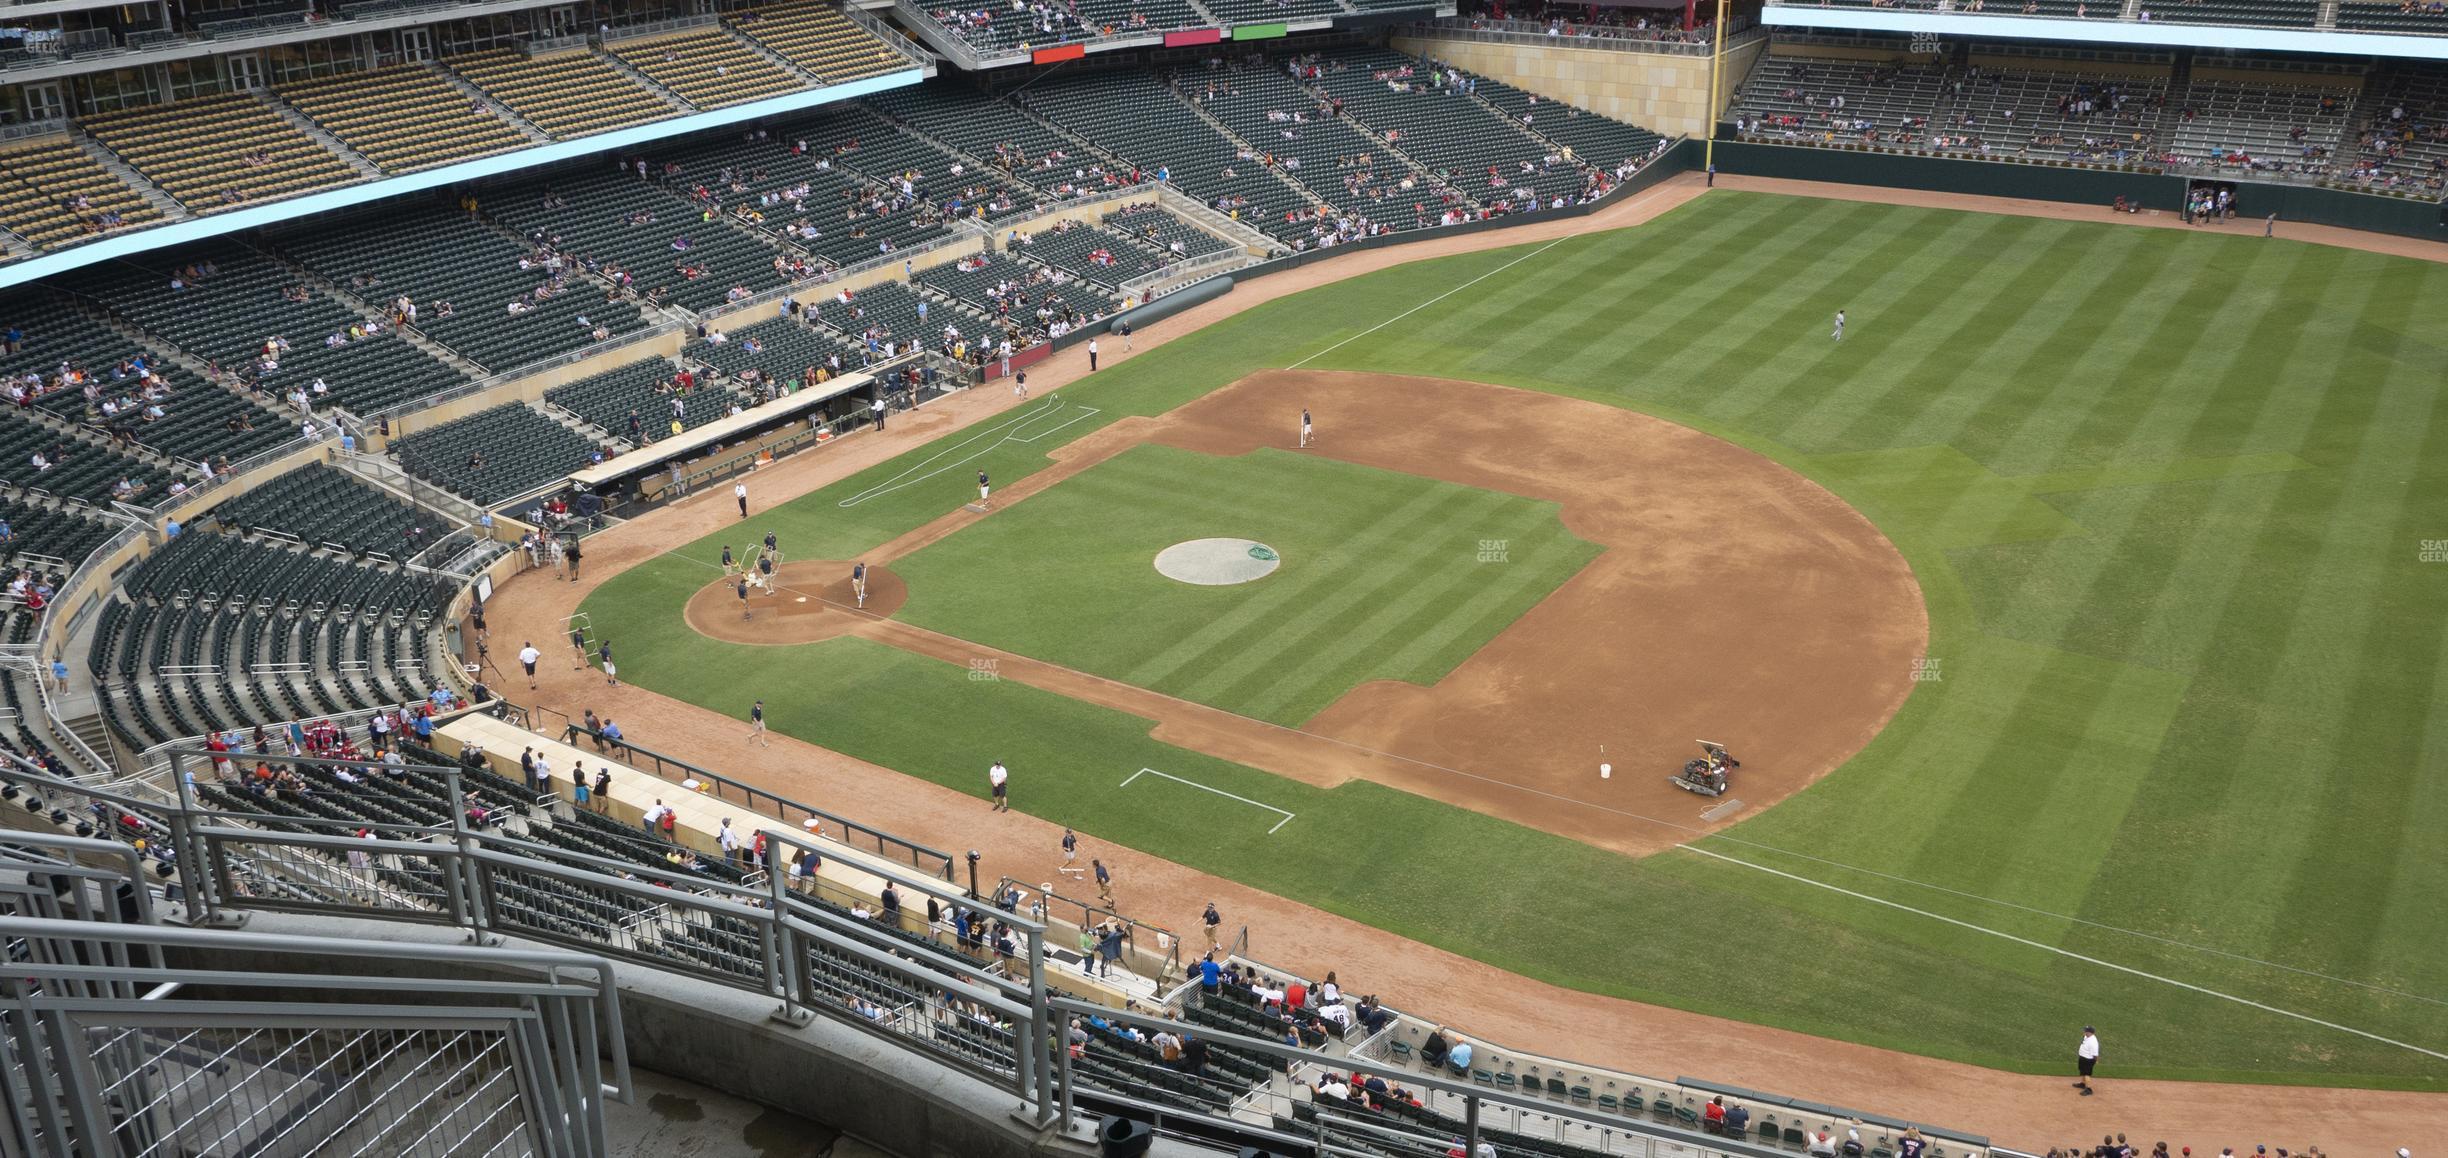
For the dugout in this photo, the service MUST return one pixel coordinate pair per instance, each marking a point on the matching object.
(811, 416)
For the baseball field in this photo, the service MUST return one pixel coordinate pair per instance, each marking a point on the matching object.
(2077, 617)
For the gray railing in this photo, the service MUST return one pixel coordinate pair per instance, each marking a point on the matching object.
(659, 27)
(1699, 42)
(472, 387)
(986, 1013)
(674, 770)
(173, 1056)
(890, 35)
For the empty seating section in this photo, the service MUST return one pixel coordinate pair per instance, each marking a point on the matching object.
(54, 530)
(247, 302)
(567, 94)
(223, 632)
(1592, 138)
(76, 470)
(999, 287)
(2041, 113)
(779, 349)
(2236, 127)
(2389, 16)
(1333, 158)
(125, 392)
(1136, 116)
(2258, 13)
(1819, 100)
(889, 313)
(995, 132)
(216, 153)
(322, 505)
(1091, 253)
(462, 278)
(645, 390)
(1487, 157)
(1270, 11)
(618, 221)
(51, 193)
(708, 68)
(1157, 229)
(404, 118)
(494, 455)
(861, 190)
(820, 39)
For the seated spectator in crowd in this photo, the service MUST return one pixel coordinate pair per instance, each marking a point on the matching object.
(1433, 1051)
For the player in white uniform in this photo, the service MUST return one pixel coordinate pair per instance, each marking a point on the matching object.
(1839, 334)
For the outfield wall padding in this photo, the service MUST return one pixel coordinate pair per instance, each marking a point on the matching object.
(2400, 216)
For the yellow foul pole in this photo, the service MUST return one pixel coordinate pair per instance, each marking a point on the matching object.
(1708, 156)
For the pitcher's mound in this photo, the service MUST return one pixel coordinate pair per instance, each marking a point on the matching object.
(811, 600)
(1217, 562)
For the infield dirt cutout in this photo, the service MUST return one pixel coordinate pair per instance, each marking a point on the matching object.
(1736, 601)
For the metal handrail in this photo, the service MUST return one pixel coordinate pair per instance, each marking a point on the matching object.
(918, 855)
(1603, 37)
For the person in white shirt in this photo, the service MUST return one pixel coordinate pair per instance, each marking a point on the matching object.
(740, 491)
(528, 656)
(998, 778)
(729, 841)
(2086, 1057)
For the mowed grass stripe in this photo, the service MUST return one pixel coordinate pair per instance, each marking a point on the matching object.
(1875, 407)
(1522, 326)
(2270, 638)
(1704, 304)
(1308, 633)
(1745, 388)
(1422, 629)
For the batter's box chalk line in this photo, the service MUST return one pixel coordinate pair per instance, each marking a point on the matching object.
(1287, 817)
(1028, 426)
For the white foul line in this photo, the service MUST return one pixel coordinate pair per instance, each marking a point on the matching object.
(1430, 302)
(1003, 429)
(1287, 817)
(2244, 1001)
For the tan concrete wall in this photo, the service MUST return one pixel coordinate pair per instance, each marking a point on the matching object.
(1665, 92)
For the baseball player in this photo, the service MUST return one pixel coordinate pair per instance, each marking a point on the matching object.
(765, 574)
(745, 613)
(1839, 334)
(756, 724)
(1306, 429)
(858, 582)
(1070, 846)
(982, 488)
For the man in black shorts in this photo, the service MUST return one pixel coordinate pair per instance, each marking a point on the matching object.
(2086, 1058)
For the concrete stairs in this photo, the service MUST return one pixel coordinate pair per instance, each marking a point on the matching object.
(15, 246)
(1235, 138)
(771, 57)
(501, 110)
(162, 202)
(644, 81)
(304, 124)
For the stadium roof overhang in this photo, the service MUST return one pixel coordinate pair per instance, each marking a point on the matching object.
(350, 196)
(2128, 33)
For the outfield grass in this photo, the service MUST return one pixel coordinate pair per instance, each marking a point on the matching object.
(1380, 577)
(2166, 492)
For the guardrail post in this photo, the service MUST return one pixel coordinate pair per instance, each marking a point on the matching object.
(1035, 1079)
(1470, 1122)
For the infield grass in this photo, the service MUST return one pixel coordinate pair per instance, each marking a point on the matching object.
(1380, 576)
(2168, 494)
